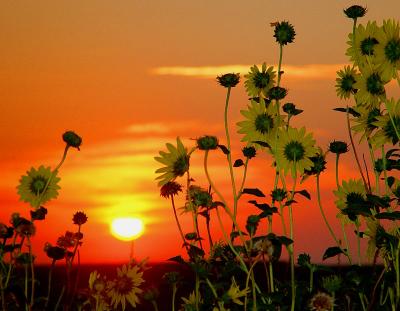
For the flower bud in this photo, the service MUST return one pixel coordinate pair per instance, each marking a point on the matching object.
(229, 79)
(72, 139)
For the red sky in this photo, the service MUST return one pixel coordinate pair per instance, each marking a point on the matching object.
(129, 76)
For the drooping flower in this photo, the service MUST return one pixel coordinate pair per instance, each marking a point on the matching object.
(321, 302)
(170, 189)
(38, 186)
(355, 11)
(362, 50)
(345, 82)
(249, 152)
(370, 88)
(125, 287)
(72, 139)
(293, 150)
(176, 162)
(229, 80)
(261, 123)
(388, 125)
(277, 93)
(258, 82)
(388, 49)
(54, 252)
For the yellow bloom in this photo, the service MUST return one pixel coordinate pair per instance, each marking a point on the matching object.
(258, 82)
(388, 49)
(364, 124)
(176, 162)
(38, 186)
(261, 123)
(235, 293)
(190, 302)
(370, 87)
(126, 286)
(362, 50)
(349, 192)
(293, 150)
(345, 82)
(388, 124)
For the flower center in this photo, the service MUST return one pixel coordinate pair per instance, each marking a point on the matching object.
(38, 184)
(261, 80)
(264, 123)
(371, 118)
(181, 165)
(294, 151)
(367, 46)
(392, 50)
(347, 83)
(124, 285)
(375, 85)
(390, 131)
(354, 197)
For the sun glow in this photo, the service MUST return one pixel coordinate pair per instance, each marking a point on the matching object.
(127, 228)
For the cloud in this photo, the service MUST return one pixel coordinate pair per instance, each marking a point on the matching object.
(309, 71)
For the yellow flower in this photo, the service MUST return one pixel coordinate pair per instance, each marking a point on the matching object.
(349, 192)
(126, 286)
(293, 150)
(370, 87)
(176, 162)
(190, 302)
(235, 293)
(321, 302)
(363, 50)
(38, 186)
(345, 82)
(388, 124)
(258, 82)
(261, 123)
(388, 49)
(364, 124)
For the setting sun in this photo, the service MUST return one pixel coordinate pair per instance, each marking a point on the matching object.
(127, 228)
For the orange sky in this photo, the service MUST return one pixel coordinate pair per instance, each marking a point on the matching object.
(129, 76)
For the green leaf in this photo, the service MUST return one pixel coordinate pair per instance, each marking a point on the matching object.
(389, 215)
(253, 191)
(331, 252)
(261, 143)
(351, 111)
(284, 240)
(390, 181)
(177, 259)
(304, 193)
(238, 163)
(224, 149)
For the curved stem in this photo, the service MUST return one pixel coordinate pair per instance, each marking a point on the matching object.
(384, 169)
(173, 296)
(178, 223)
(32, 272)
(337, 170)
(49, 282)
(229, 156)
(246, 163)
(354, 150)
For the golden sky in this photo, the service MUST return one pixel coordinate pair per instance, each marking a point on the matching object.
(131, 75)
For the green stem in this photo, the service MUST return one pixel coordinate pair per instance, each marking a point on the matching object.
(26, 287)
(311, 279)
(250, 274)
(290, 247)
(384, 169)
(392, 121)
(174, 289)
(362, 301)
(346, 241)
(178, 223)
(154, 303)
(372, 156)
(333, 299)
(59, 299)
(271, 277)
(32, 272)
(337, 170)
(49, 282)
(197, 292)
(229, 156)
(246, 163)
(358, 242)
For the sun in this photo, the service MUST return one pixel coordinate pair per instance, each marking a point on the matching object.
(126, 228)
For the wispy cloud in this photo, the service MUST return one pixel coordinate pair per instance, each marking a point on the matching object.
(309, 71)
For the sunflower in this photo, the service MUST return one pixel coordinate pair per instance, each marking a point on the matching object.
(126, 286)
(258, 82)
(363, 50)
(388, 133)
(261, 123)
(388, 49)
(364, 124)
(321, 302)
(349, 192)
(370, 87)
(345, 82)
(38, 186)
(293, 150)
(234, 293)
(176, 162)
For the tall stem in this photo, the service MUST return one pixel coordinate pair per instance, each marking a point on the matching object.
(49, 282)
(178, 223)
(229, 156)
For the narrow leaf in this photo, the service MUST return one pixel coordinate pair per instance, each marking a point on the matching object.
(331, 252)
(224, 149)
(253, 191)
(238, 162)
(304, 193)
